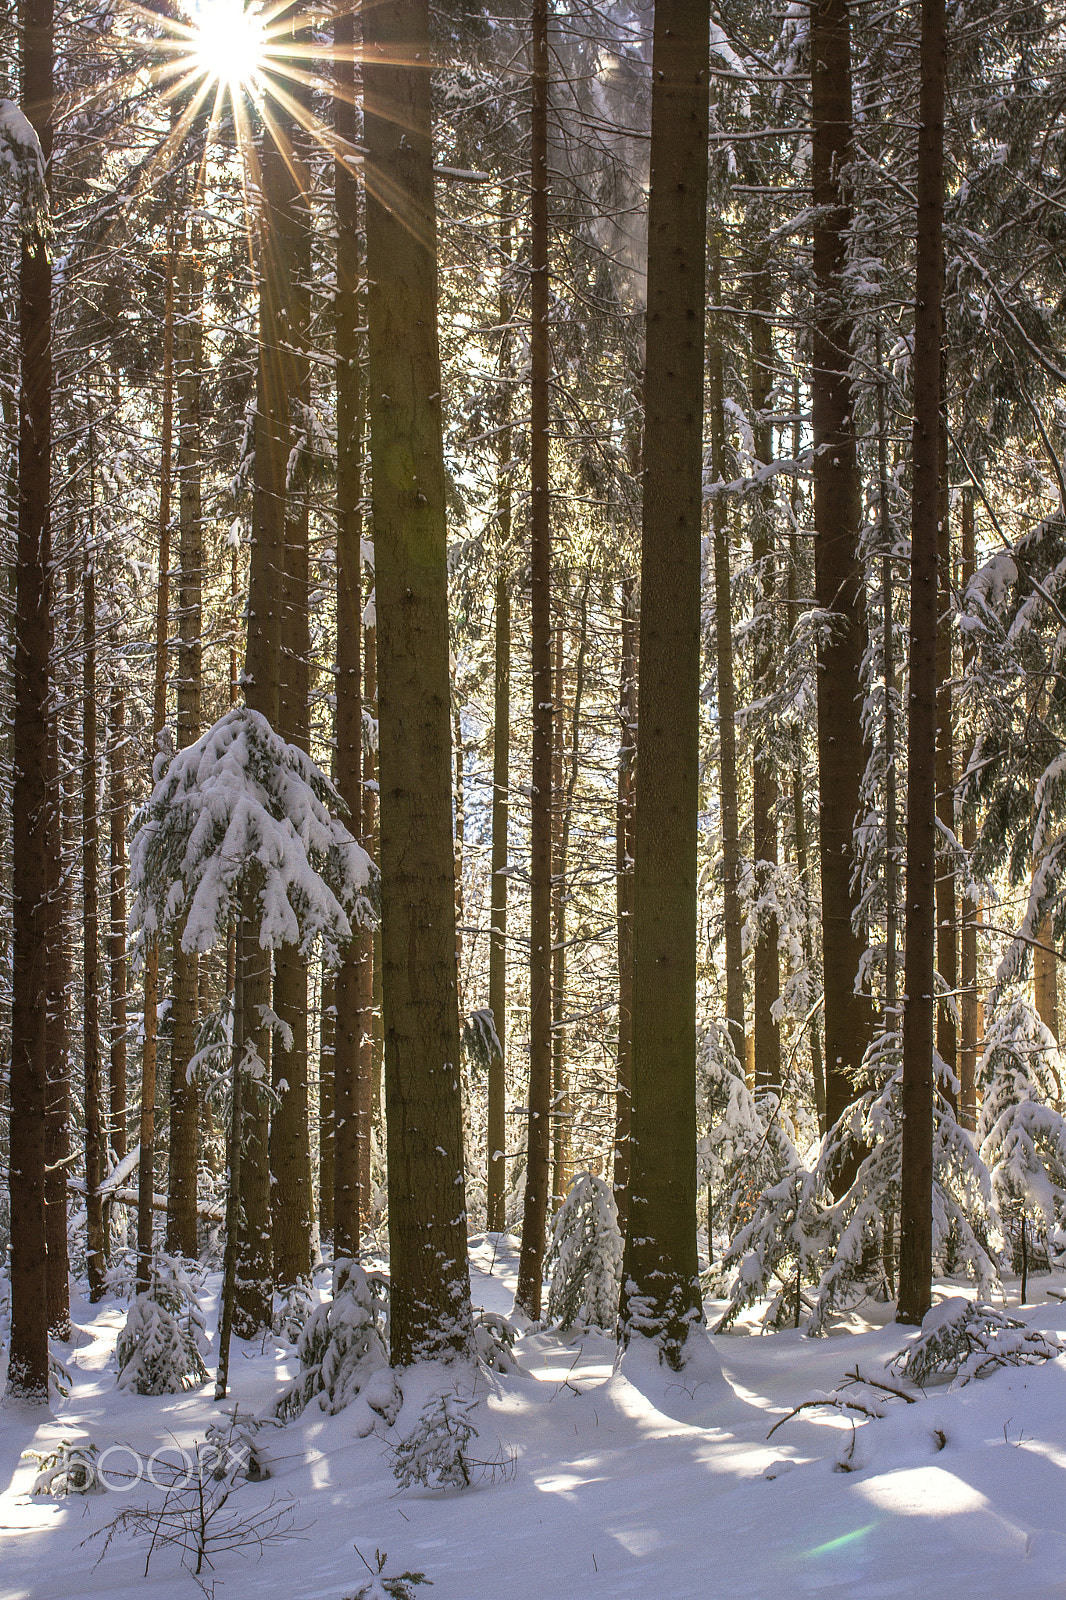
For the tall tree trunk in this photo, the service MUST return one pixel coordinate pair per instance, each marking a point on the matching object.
(970, 1005)
(146, 1167)
(117, 935)
(660, 1281)
(266, 577)
(501, 757)
(372, 1057)
(767, 964)
(623, 880)
(538, 1135)
(947, 950)
(888, 672)
(427, 1213)
(723, 627)
(838, 566)
(290, 1141)
(57, 1128)
(916, 1184)
(95, 1135)
(354, 980)
(558, 917)
(184, 1096)
(327, 1051)
(28, 1359)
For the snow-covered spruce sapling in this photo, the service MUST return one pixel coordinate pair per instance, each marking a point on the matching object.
(159, 1349)
(494, 1340)
(1020, 1134)
(962, 1339)
(801, 1234)
(746, 1148)
(584, 1259)
(341, 1348)
(435, 1454)
(401, 1586)
(70, 1467)
(243, 815)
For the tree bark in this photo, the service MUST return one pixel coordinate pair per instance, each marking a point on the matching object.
(117, 934)
(727, 734)
(839, 585)
(28, 1359)
(184, 1096)
(660, 1281)
(266, 579)
(57, 1128)
(970, 1005)
(947, 950)
(501, 741)
(430, 1303)
(95, 1134)
(623, 879)
(538, 1134)
(916, 1184)
(354, 981)
(767, 964)
(146, 1163)
(290, 1140)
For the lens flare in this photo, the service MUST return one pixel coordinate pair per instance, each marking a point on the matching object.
(228, 42)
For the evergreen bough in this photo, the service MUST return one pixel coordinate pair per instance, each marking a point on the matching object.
(963, 1339)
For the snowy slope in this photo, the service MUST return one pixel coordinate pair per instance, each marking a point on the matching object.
(625, 1484)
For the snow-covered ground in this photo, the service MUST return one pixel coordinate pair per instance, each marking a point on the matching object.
(617, 1484)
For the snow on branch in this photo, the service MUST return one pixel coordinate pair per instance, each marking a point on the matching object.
(243, 810)
(22, 157)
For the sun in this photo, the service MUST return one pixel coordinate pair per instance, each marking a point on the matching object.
(228, 42)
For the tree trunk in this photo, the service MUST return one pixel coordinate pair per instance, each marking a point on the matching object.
(767, 964)
(727, 735)
(184, 1096)
(57, 1128)
(660, 1280)
(947, 954)
(839, 585)
(117, 936)
(430, 1304)
(501, 741)
(95, 1134)
(888, 672)
(146, 1163)
(266, 578)
(916, 1184)
(28, 1360)
(538, 1135)
(558, 916)
(290, 1140)
(970, 1005)
(623, 879)
(354, 980)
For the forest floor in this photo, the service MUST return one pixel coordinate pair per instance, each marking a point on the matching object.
(617, 1484)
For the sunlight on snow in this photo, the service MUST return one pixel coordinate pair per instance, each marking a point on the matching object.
(922, 1492)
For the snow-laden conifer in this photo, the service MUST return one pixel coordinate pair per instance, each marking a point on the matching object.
(241, 798)
(962, 1339)
(1020, 1133)
(343, 1344)
(160, 1349)
(584, 1258)
(800, 1235)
